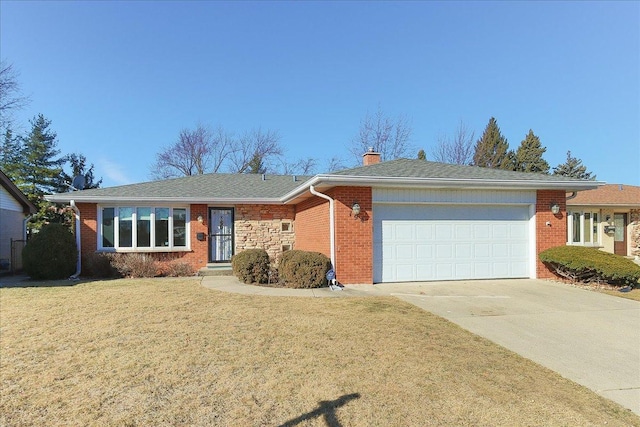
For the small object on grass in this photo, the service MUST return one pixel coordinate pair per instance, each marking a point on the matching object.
(625, 289)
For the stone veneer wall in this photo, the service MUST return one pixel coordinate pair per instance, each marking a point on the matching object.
(634, 227)
(260, 226)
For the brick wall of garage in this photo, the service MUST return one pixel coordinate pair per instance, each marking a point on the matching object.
(312, 226)
(555, 234)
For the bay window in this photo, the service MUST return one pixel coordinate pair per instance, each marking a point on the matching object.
(144, 228)
(583, 229)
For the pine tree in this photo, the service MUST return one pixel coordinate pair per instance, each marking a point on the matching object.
(422, 155)
(574, 168)
(40, 169)
(78, 164)
(11, 156)
(528, 157)
(492, 149)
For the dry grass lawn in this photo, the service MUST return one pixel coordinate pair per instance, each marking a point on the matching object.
(170, 352)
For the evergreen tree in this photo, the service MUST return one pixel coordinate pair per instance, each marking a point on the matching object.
(11, 156)
(41, 169)
(256, 164)
(574, 168)
(492, 149)
(78, 164)
(422, 155)
(528, 157)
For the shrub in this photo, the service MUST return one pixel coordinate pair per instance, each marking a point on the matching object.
(179, 269)
(98, 265)
(584, 264)
(251, 266)
(301, 269)
(135, 265)
(51, 253)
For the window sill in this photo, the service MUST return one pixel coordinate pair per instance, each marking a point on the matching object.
(142, 250)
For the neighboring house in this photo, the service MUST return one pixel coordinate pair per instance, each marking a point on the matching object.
(14, 210)
(394, 221)
(607, 217)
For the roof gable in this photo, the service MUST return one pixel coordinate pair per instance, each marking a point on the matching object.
(18, 195)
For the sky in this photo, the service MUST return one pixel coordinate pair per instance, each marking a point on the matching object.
(119, 80)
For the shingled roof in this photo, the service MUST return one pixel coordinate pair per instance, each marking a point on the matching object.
(254, 188)
(608, 195)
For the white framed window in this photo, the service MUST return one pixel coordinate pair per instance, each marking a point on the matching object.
(143, 228)
(583, 228)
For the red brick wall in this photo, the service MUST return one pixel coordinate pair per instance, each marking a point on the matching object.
(354, 235)
(555, 234)
(312, 226)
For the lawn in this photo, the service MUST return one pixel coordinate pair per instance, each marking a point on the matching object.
(170, 352)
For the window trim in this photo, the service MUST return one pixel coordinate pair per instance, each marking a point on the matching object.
(134, 229)
(597, 242)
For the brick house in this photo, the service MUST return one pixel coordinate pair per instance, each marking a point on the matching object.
(394, 221)
(607, 217)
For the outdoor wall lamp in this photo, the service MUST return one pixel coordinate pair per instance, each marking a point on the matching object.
(200, 219)
(355, 209)
(555, 208)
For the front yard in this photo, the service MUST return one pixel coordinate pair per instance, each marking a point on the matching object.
(170, 352)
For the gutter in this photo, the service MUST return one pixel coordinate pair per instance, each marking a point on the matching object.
(332, 228)
(75, 275)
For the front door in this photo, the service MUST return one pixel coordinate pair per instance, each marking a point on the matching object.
(620, 235)
(220, 234)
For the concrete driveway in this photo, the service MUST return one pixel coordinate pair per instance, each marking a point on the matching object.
(588, 337)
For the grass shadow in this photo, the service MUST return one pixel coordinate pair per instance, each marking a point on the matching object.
(325, 409)
(23, 281)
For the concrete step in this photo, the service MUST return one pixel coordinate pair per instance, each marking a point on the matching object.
(216, 270)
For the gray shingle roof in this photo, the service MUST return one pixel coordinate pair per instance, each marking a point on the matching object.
(253, 188)
(414, 168)
(202, 187)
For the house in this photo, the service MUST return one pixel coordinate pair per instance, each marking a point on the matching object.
(607, 217)
(15, 209)
(393, 221)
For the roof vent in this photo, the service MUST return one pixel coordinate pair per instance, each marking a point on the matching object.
(620, 187)
(264, 177)
(295, 178)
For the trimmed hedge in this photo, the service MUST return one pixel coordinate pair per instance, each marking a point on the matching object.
(251, 266)
(584, 264)
(51, 253)
(302, 269)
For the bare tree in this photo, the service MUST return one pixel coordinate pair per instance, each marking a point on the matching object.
(255, 151)
(11, 98)
(457, 150)
(196, 151)
(301, 167)
(335, 164)
(386, 135)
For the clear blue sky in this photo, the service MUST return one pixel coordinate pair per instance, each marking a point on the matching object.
(119, 80)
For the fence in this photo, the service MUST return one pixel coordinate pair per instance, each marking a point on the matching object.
(16, 254)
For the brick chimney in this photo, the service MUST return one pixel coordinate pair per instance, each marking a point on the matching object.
(370, 157)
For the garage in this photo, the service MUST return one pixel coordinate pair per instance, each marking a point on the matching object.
(425, 242)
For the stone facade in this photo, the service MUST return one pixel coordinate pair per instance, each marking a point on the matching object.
(634, 232)
(268, 227)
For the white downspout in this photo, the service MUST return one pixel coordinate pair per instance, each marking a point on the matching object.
(331, 226)
(25, 221)
(75, 275)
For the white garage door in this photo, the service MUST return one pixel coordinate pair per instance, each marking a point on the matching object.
(434, 242)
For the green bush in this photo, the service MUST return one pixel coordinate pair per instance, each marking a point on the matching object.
(135, 265)
(98, 265)
(251, 266)
(582, 264)
(51, 253)
(301, 269)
